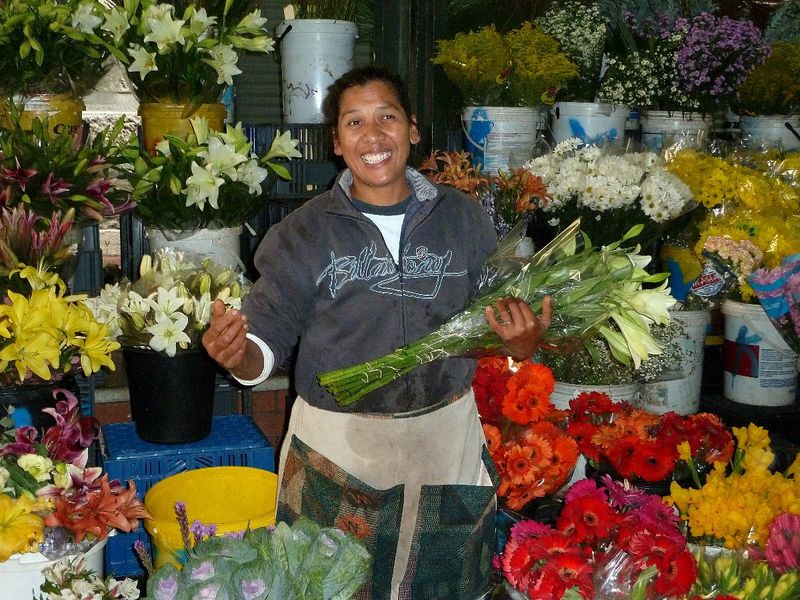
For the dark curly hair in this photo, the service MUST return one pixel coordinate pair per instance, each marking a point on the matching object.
(361, 76)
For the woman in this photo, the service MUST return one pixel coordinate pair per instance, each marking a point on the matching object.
(378, 261)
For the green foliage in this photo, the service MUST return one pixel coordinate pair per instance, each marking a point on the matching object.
(522, 68)
(299, 562)
(773, 88)
(784, 23)
(52, 46)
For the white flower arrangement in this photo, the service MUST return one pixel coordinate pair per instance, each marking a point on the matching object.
(70, 579)
(612, 191)
(169, 306)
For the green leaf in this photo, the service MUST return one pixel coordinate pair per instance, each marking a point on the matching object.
(280, 170)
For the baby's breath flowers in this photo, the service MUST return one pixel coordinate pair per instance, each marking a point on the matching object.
(169, 306)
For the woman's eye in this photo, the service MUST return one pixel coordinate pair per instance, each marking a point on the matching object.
(353, 123)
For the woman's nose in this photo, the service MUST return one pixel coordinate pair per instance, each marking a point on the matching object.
(373, 131)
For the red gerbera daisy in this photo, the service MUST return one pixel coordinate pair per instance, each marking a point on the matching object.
(519, 464)
(653, 462)
(587, 519)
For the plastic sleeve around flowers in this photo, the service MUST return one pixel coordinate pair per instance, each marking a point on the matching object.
(586, 288)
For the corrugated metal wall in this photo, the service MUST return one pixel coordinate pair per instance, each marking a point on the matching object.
(258, 90)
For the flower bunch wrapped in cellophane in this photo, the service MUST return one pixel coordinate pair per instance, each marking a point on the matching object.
(525, 433)
(778, 291)
(169, 306)
(734, 575)
(736, 505)
(746, 208)
(594, 291)
(610, 191)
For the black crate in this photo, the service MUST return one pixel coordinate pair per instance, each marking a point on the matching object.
(314, 172)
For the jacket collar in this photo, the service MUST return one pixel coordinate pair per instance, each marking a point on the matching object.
(422, 190)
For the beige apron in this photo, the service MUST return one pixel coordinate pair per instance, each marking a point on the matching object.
(414, 487)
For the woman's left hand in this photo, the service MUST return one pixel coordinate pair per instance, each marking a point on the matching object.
(518, 326)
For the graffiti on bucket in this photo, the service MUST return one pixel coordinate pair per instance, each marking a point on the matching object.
(578, 131)
(742, 354)
(480, 126)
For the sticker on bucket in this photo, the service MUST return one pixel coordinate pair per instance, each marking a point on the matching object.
(759, 368)
(592, 123)
(497, 134)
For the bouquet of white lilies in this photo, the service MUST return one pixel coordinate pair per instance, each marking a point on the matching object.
(593, 291)
(209, 179)
(169, 306)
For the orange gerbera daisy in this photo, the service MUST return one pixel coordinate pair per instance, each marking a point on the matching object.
(494, 439)
(519, 464)
(528, 397)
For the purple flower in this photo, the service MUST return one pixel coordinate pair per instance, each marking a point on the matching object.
(253, 588)
(209, 592)
(167, 588)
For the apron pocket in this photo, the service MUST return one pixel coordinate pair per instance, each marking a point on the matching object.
(315, 487)
(454, 523)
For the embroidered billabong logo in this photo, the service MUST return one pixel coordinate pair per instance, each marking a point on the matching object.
(423, 272)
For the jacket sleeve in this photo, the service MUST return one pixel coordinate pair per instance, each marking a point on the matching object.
(280, 300)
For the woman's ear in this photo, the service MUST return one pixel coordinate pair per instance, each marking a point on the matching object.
(413, 133)
(337, 149)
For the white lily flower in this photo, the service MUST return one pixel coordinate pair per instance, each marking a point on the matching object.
(222, 158)
(156, 11)
(223, 60)
(165, 32)
(202, 185)
(251, 174)
(4, 476)
(636, 333)
(144, 62)
(252, 20)
(252, 44)
(168, 332)
(116, 23)
(84, 19)
(200, 24)
(202, 309)
(167, 301)
(654, 303)
(283, 146)
(36, 466)
(235, 136)
(163, 147)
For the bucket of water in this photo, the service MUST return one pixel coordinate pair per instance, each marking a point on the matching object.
(500, 137)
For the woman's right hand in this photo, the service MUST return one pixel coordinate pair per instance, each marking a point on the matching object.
(225, 339)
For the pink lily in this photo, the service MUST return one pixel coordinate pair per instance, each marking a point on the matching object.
(52, 188)
(19, 175)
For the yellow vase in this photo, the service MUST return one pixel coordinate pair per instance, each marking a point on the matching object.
(160, 119)
(62, 111)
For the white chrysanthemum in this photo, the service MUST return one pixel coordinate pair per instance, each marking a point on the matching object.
(602, 193)
(664, 196)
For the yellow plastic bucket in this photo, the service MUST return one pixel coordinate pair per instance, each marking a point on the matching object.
(232, 498)
(64, 112)
(161, 118)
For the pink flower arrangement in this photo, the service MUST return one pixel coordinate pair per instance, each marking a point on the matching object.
(778, 290)
(599, 526)
(783, 544)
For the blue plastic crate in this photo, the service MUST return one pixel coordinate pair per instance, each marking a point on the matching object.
(235, 440)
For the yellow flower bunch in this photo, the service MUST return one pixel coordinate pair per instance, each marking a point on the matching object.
(20, 526)
(737, 507)
(46, 333)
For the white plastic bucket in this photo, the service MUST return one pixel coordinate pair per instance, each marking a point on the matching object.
(21, 575)
(771, 130)
(314, 54)
(220, 245)
(592, 122)
(501, 137)
(679, 389)
(661, 128)
(564, 392)
(759, 367)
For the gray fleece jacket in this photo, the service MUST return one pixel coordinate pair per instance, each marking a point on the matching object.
(328, 281)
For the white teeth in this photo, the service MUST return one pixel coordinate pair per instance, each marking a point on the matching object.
(373, 159)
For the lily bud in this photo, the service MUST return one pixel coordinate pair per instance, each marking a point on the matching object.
(224, 293)
(146, 265)
(236, 290)
(205, 283)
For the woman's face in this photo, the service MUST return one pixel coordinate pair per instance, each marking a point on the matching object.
(374, 136)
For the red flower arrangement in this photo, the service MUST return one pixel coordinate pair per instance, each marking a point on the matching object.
(606, 538)
(524, 432)
(638, 445)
